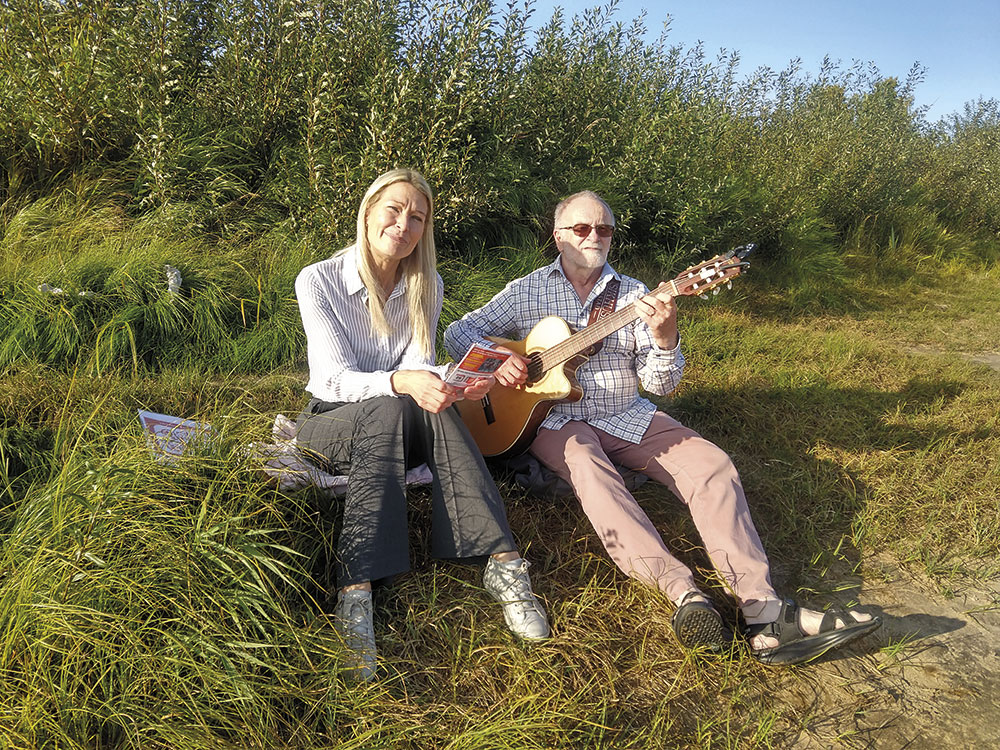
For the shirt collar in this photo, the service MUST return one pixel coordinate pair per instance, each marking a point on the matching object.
(607, 273)
(352, 279)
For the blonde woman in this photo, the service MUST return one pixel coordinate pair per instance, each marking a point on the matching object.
(379, 406)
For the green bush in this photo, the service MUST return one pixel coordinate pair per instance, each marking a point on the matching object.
(282, 111)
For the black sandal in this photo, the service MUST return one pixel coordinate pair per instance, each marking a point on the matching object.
(794, 646)
(697, 624)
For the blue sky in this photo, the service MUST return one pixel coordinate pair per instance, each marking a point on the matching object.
(958, 42)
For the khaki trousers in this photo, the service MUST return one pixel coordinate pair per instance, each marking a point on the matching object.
(696, 471)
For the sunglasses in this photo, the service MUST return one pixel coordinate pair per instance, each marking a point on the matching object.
(583, 230)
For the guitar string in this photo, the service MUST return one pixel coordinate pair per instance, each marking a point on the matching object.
(573, 344)
(586, 337)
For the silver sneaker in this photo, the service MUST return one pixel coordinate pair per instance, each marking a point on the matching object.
(353, 619)
(510, 585)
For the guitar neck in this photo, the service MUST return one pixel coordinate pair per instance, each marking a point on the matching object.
(585, 338)
(696, 280)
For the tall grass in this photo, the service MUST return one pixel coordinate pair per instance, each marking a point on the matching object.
(125, 599)
(235, 308)
(153, 606)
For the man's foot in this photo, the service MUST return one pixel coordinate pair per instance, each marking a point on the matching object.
(353, 619)
(800, 635)
(509, 584)
(698, 624)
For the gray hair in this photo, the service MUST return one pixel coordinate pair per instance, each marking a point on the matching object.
(564, 204)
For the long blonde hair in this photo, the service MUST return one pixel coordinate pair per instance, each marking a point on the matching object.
(419, 268)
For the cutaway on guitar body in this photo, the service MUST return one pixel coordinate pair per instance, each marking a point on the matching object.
(505, 422)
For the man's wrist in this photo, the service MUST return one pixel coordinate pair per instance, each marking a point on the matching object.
(668, 343)
(668, 348)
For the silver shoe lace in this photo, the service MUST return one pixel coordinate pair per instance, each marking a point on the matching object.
(355, 625)
(511, 586)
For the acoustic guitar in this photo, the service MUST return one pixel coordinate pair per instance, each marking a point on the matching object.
(504, 423)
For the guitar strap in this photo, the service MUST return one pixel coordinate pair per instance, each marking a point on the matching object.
(604, 304)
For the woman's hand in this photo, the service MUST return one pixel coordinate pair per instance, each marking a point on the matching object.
(478, 388)
(426, 388)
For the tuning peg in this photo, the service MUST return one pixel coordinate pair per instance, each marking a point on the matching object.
(715, 291)
(729, 285)
(703, 296)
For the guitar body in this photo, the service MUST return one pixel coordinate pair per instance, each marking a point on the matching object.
(505, 422)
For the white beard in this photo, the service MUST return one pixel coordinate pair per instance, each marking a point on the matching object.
(591, 258)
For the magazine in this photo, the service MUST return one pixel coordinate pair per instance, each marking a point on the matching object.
(168, 437)
(481, 361)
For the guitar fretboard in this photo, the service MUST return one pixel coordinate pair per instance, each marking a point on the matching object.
(695, 280)
(582, 340)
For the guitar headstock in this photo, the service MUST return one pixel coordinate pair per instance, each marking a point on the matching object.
(709, 275)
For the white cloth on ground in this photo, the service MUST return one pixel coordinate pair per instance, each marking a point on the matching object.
(285, 464)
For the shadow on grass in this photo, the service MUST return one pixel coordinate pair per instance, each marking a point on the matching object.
(806, 505)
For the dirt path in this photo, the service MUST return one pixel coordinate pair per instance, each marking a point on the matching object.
(939, 689)
(990, 359)
(928, 680)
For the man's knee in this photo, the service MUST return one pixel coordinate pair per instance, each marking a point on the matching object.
(717, 463)
(591, 468)
(587, 450)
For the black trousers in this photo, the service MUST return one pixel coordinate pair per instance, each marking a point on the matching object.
(374, 442)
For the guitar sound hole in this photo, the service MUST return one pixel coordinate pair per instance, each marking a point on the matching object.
(534, 367)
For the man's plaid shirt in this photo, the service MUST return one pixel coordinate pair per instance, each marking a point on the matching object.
(610, 380)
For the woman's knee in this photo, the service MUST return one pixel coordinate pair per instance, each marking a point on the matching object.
(387, 405)
(382, 414)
